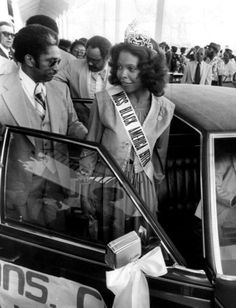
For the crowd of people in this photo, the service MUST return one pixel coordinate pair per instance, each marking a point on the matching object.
(217, 66)
(130, 117)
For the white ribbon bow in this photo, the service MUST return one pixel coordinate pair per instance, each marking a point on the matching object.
(129, 283)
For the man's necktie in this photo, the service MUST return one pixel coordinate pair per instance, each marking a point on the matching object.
(103, 74)
(40, 99)
(10, 55)
(94, 75)
(197, 77)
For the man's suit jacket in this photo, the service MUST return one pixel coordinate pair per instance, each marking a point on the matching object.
(7, 66)
(190, 69)
(66, 58)
(13, 108)
(2, 53)
(75, 74)
(14, 111)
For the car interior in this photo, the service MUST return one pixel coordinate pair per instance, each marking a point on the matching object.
(180, 192)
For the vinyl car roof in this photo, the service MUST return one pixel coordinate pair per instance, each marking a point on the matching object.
(208, 108)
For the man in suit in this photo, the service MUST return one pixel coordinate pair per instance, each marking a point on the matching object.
(216, 63)
(197, 71)
(6, 39)
(87, 76)
(7, 65)
(50, 110)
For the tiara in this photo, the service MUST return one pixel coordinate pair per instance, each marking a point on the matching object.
(136, 36)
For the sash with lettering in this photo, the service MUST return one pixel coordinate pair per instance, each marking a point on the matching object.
(133, 128)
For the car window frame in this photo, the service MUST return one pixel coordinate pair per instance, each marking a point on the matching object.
(212, 208)
(158, 230)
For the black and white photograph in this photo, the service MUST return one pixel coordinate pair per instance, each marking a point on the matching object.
(117, 154)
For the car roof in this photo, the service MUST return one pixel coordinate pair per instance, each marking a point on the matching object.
(208, 108)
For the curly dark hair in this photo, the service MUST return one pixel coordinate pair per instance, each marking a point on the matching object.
(34, 40)
(152, 66)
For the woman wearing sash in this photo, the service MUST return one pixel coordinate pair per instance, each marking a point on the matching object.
(132, 120)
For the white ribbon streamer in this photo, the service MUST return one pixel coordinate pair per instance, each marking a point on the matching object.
(129, 283)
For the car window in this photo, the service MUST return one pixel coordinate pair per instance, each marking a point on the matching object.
(225, 190)
(47, 188)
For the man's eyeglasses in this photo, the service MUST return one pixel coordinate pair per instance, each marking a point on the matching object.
(94, 61)
(53, 62)
(8, 34)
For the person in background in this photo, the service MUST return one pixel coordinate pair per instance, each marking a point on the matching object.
(7, 63)
(233, 60)
(182, 60)
(216, 63)
(64, 45)
(7, 35)
(229, 70)
(197, 71)
(87, 76)
(231, 55)
(166, 49)
(155, 45)
(191, 53)
(78, 48)
(47, 21)
(138, 77)
(29, 98)
(174, 62)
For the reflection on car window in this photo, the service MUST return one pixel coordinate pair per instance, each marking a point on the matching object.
(225, 180)
(47, 187)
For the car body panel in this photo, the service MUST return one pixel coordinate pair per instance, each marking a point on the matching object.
(207, 108)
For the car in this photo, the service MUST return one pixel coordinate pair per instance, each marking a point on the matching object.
(81, 213)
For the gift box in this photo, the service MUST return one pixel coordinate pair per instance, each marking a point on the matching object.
(123, 250)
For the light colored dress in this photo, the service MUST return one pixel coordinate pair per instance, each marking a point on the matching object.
(114, 213)
(109, 203)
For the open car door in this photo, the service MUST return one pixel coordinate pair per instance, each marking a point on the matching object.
(58, 220)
